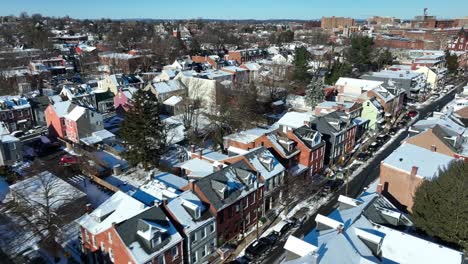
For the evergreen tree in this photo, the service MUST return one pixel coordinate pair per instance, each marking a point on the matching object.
(314, 93)
(359, 54)
(441, 205)
(452, 62)
(301, 59)
(142, 131)
(338, 70)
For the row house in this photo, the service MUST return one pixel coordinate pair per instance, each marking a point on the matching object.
(339, 133)
(124, 230)
(123, 100)
(11, 148)
(235, 196)
(352, 108)
(270, 171)
(16, 113)
(55, 118)
(409, 82)
(312, 148)
(116, 82)
(196, 224)
(81, 122)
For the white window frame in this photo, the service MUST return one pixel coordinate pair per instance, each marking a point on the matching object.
(111, 254)
(109, 237)
(94, 242)
(212, 227)
(203, 233)
(175, 256)
(246, 204)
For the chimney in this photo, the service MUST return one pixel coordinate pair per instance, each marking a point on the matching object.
(219, 167)
(89, 208)
(200, 153)
(414, 170)
(379, 188)
(434, 148)
(192, 150)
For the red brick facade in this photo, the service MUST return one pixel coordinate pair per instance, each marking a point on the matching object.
(99, 247)
(55, 124)
(311, 158)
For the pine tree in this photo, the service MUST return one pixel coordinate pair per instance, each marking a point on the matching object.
(301, 58)
(452, 62)
(441, 205)
(314, 93)
(142, 131)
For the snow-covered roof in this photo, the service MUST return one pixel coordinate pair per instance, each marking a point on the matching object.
(364, 85)
(14, 102)
(427, 161)
(295, 119)
(197, 167)
(299, 246)
(189, 222)
(261, 159)
(118, 208)
(173, 100)
(76, 113)
(354, 240)
(62, 108)
(167, 86)
(247, 136)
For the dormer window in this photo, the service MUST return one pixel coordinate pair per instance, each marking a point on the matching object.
(193, 209)
(156, 240)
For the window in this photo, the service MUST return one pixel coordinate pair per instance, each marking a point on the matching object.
(212, 228)
(193, 237)
(237, 208)
(203, 233)
(194, 257)
(94, 242)
(247, 219)
(253, 198)
(109, 236)
(3, 116)
(246, 204)
(86, 235)
(175, 252)
(10, 115)
(111, 255)
(103, 249)
(213, 243)
(161, 259)
(20, 113)
(204, 251)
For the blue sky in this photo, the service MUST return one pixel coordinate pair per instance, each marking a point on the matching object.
(234, 9)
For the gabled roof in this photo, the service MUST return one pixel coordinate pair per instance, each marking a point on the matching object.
(63, 108)
(183, 215)
(311, 138)
(226, 186)
(119, 207)
(76, 113)
(364, 85)
(363, 230)
(295, 119)
(428, 162)
(133, 230)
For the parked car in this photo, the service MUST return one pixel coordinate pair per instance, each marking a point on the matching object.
(17, 133)
(282, 227)
(383, 138)
(241, 260)
(374, 146)
(363, 156)
(412, 114)
(393, 130)
(67, 160)
(257, 248)
(271, 238)
(402, 124)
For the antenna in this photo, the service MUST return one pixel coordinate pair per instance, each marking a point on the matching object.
(425, 11)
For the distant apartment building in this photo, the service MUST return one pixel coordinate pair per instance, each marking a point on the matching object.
(120, 62)
(336, 22)
(245, 55)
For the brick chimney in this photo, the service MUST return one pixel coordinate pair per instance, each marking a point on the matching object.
(192, 149)
(89, 208)
(200, 153)
(414, 171)
(379, 188)
(434, 148)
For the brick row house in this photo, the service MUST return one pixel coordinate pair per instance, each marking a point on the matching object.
(124, 230)
(339, 133)
(235, 196)
(16, 113)
(270, 171)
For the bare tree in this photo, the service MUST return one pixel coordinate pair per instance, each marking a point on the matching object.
(45, 203)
